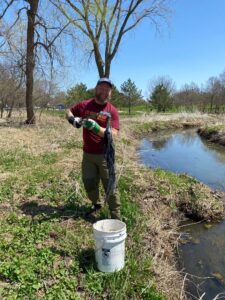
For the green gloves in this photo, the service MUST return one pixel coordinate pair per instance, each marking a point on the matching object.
(91, 125)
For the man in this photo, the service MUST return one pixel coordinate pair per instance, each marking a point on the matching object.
(94, 165)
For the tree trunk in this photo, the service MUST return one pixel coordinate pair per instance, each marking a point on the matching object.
(98, 60)
(30, 60)
(129, 106)
(2, 111)
(107, 68)
(11, 109)
(211, 104)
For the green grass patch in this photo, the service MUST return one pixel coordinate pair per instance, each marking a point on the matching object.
(30, 265)
(135, 281)
(171, 183)
(16, 159)
(185, 193)
(48, 158)
(145, 128)
(58, 191)
(46, 243)
(12, 160)
(41, 174)
(73, 144)
(55, 112)
(33, 182)
(126, 141)
(34, 253)
(175, 180)
(7, 189)
(129, 208)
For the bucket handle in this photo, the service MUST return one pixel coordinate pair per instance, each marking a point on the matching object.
(110, 241)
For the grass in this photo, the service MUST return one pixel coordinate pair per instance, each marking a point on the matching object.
(46, 243)
(36, 246)
(46, 247)
(215, 133)
(183, 192)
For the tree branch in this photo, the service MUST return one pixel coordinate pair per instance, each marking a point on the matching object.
(118, 5)
(72, 21)
(7, 7)
(75, 8)
(18, 16)
(131, 9)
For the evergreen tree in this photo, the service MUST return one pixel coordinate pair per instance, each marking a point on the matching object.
(117, 98)
(77, 93)
(131, 93)
(161, 99)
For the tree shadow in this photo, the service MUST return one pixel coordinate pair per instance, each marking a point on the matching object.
(45, 212)
(87, 260)
(14, 124)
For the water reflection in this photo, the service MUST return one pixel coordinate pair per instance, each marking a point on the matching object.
(160, 143)
(204, 257)
(186, 152)
(204, 254)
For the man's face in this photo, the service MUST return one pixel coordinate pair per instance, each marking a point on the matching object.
(103, 92)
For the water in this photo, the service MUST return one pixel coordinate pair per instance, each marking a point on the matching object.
(186, 152)
(204, 253)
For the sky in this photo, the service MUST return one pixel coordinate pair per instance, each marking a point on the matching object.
(190, 49)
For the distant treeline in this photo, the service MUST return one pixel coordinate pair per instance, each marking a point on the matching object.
(162, 95)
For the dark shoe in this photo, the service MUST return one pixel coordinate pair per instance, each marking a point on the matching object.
(116, 215)
(93, 211)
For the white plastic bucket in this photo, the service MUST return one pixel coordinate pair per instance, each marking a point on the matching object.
(109, 238)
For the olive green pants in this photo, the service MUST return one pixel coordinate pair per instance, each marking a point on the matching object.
(94, 169)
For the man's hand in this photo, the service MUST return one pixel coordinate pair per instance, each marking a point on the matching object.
(91, 125)
(75, 121)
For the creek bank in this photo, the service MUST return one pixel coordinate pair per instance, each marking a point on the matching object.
(156, 126)
(196, 200)
(214, 134)
(166, 199)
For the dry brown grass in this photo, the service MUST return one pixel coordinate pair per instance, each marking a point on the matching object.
(215, 133)
(47, 135)
(160, 235)
(180, 117)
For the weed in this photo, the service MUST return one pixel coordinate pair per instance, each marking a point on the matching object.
(11, 160)
(48, 158)
(73, 144)
(6, 192)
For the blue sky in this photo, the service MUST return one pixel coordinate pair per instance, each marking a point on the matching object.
(190, 49)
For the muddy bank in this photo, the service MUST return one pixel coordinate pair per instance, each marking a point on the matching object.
(214, 134)
(167, 199)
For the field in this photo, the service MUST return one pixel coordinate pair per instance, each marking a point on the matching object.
(46, 243)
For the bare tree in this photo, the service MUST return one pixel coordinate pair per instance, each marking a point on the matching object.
(105, 22)
(30, 58)
(10, 88)
(165, 81)
(44, 93)
(216, 91)
(37, 36)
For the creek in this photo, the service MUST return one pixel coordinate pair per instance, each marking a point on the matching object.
(202, 253)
